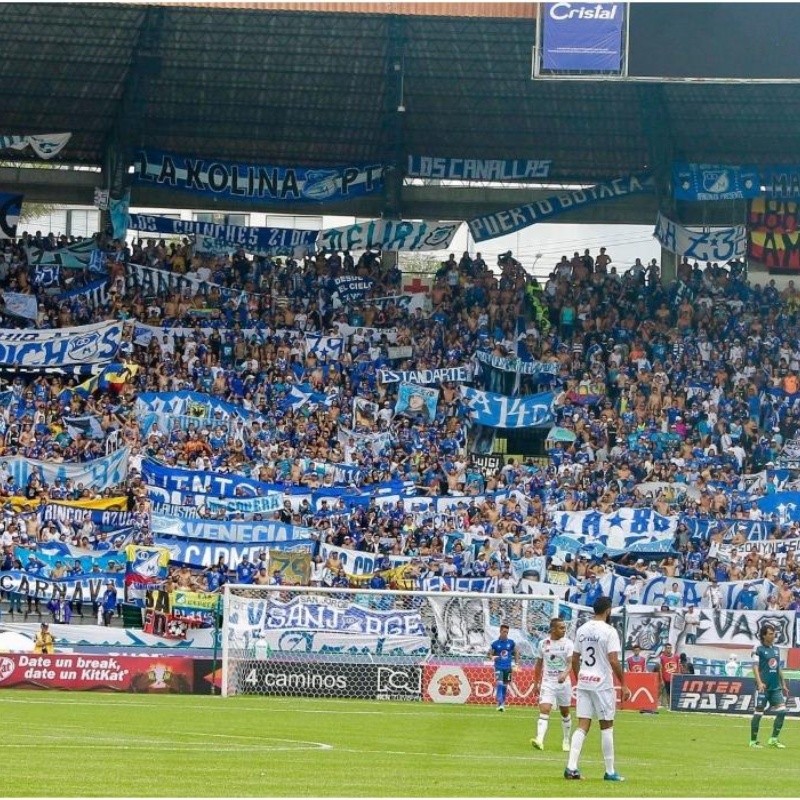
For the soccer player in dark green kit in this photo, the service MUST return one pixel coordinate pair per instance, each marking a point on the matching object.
(771, 687)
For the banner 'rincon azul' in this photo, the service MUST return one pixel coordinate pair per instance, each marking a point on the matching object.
(715, 182)
(386, 234)
(582, 37)
(215, 178)
(499, 411)
(260, 241)
(87, 344)
(477, 169)
(518, 365)
(490, 226)
(10, 209)
(45, 145)
(713, 244)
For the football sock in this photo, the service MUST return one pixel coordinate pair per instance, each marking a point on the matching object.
(778, 724)
(541, 726)
(566, 727)
(755, 722)
(607, 743)
(575, 748)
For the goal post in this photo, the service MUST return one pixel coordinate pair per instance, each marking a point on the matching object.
(303, 641)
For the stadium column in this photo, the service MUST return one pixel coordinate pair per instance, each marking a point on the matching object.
(394, 117)
(126, 131)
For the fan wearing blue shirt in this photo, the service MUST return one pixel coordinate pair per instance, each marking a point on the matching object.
(506, 659)
(245, 571)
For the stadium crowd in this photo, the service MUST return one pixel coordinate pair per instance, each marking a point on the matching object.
(677, 397)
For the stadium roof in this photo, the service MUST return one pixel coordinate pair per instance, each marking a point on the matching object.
(260, 84)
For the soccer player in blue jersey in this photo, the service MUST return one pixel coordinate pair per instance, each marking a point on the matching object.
(506, 659)
(771, 686)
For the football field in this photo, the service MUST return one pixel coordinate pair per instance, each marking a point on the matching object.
(71, 744)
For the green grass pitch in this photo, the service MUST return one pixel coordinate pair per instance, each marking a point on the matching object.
(71, 744)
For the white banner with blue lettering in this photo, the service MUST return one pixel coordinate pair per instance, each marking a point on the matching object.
(490, 226)
(84, 345)
(413, 399)
(200, 553)
(101, 473)
(225, 180)
(477, 169)
(710, 244)
(715, 182)
(499, 411)
(622, 522)
(87, 588)
(423, 376)
(265, 504)
(387, 234)
(256, 532)
(356, 562)
(653, 591)
(328, 347)
(258, 241)
(405, 302)
(614, 544)
(153, 281)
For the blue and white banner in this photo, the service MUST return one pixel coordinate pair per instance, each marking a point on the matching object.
(404, 302)
(222, 179)
(621, 523)
(46, 276)
(80, 255)
(477, 169)
(424, 376)
(387, 234)
(45, 145)
(302, 394)
(653, 591)
(517, 365)
(257, 532)
(264, 504)
(87, 344)
(152, 281)
(413, 399)
(365, 412)
(325, 347)
(490, 226)
(450, 584)
(199, 553)
(258, 241)
(21, 305)
(715, 181)
(203, 406)
(785, 504)
(582, 37)
(781, 182)
(351, 289)
(86, 588)
(352, 441)
(51, 554)
(356, 562)
(614, 544)
(95, 294)
(10, 210)
(499, 411)
(711, 244)
(86, 426)
(174, 484)
(101, 473)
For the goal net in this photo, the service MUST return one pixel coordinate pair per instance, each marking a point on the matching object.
(381, 645)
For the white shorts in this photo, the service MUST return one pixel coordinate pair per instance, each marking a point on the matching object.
(556, 694)
(596, 705)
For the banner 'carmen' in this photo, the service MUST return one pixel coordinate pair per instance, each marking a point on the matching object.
(87, 344)
(386, 234)
(215, 178)
(712, 244)
(490, 226)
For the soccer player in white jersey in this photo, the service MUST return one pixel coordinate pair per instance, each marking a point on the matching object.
(552, 681)
(596, 662)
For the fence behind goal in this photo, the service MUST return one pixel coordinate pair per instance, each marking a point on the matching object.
(381, 645)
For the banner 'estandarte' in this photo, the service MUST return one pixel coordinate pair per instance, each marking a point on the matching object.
(265, 183)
